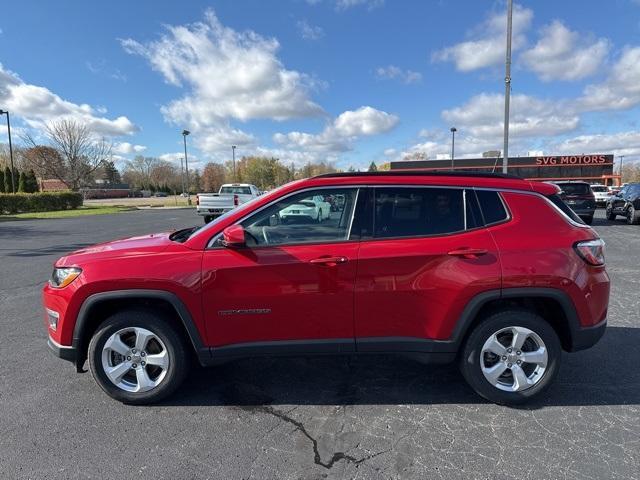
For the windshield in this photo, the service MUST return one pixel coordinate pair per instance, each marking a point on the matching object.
(574, 188)
(236, 190)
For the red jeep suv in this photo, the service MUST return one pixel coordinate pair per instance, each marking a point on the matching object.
(491, 271)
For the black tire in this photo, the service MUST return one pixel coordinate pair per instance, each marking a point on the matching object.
(470, 355)
(320, 215)
(173, 341)
(633, 216)
(588, 220)
(610, 214)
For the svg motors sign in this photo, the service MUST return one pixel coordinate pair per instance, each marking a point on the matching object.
(575, 160)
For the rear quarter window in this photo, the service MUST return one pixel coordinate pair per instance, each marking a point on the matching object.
(491, 206)
(558, 202)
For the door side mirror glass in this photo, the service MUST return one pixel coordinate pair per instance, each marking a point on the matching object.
(233, 237)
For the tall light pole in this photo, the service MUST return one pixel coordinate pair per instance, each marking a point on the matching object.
(621, 164)
(507, 89)
(13, 181)
(186, 164)
(182, 173)
(233, 155)
(453, 144)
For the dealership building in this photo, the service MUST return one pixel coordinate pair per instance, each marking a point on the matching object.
(592, 168)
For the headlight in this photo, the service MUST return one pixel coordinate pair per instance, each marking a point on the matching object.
(61, 277)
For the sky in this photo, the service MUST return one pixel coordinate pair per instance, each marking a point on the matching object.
(343, 81)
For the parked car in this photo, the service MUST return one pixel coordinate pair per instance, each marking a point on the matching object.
(311, 209)
(625, 203)
(490, 271)
(601, 194)
(230, 196)
(580, 198)
(160, 194)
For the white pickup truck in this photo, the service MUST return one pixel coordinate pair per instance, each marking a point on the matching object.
(230, 195)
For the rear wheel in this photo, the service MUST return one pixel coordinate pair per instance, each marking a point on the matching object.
(609, 212)
(588, 220)
(137, 357)
(511, 357)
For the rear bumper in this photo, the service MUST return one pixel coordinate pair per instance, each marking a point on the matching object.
(586, 337)
(212, 211)
(62, 351)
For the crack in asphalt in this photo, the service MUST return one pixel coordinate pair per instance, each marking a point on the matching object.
(317, 459)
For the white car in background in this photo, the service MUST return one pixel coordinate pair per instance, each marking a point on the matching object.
(312, 209)
(602, 194)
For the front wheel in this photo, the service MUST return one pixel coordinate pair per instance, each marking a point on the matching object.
(511, 357)
(137, 357)
(610, 214)
(633, 216)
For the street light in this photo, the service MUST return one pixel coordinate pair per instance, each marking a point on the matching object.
(453, 144)
(186, 164)
(621, 164)
(233, 155)
(13, 181)
(182, 174)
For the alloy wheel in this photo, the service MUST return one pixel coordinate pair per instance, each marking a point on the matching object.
(135, 359)
(514, 359)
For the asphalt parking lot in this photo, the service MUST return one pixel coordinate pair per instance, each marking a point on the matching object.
(373, 417)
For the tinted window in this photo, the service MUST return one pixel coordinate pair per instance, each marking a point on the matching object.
(236, 190)
(312, 217)
(634, 190)
(575, 188)
(558, 202)
(599, 188)
(492, 207)
(408, 212)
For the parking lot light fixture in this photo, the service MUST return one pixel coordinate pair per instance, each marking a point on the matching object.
(453, 144)
(13, 180)
(186, 164)
(233, 155)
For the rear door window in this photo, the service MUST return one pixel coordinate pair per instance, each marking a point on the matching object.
(414, 212)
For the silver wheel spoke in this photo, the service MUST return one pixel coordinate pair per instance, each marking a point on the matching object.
(142, 338)
(159, 359)
(116, 373)
(520, 380)
(539, 357)
(520, 335)
(144, 382)
(493, 373)
(494, 346)
(117, 345)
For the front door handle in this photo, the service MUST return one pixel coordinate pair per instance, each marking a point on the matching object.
(329, 261)
(469, 253)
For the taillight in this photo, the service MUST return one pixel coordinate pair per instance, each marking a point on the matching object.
(236, 201)
(591, 251)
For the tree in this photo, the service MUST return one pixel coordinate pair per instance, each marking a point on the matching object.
(2, 181)
(373, 167)
(110, 174)
(22, 183)
(32, 182)
(138, 171)
(80, 151)
(7, 180)
(213, 176)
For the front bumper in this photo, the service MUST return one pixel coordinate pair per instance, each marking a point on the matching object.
(62, 351)
(586, 337)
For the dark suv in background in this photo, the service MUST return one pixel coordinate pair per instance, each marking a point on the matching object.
(580, 198)
(627, 203)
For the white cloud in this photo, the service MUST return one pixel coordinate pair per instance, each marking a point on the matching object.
(487, 43)
(339, 136)
(621, 89)
(309, 32)
(391, 72)
(562, 54)
(370, 4)
(483, 116)
(126, 148)
(620, 143)
(38, 106)
(175, 158)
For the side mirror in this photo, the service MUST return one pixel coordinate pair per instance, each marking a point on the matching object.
(233, 237)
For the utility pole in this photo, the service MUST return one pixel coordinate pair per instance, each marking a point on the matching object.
(186, 164)
(453, 144)
(507, 89)
(233, 155)
(13, 180)
(182, 173)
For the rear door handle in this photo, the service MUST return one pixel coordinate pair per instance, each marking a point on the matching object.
(329, 261)
(468, 252)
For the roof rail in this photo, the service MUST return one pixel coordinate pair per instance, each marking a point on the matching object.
(418, 173)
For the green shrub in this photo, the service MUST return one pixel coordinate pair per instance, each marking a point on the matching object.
(39, 202)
